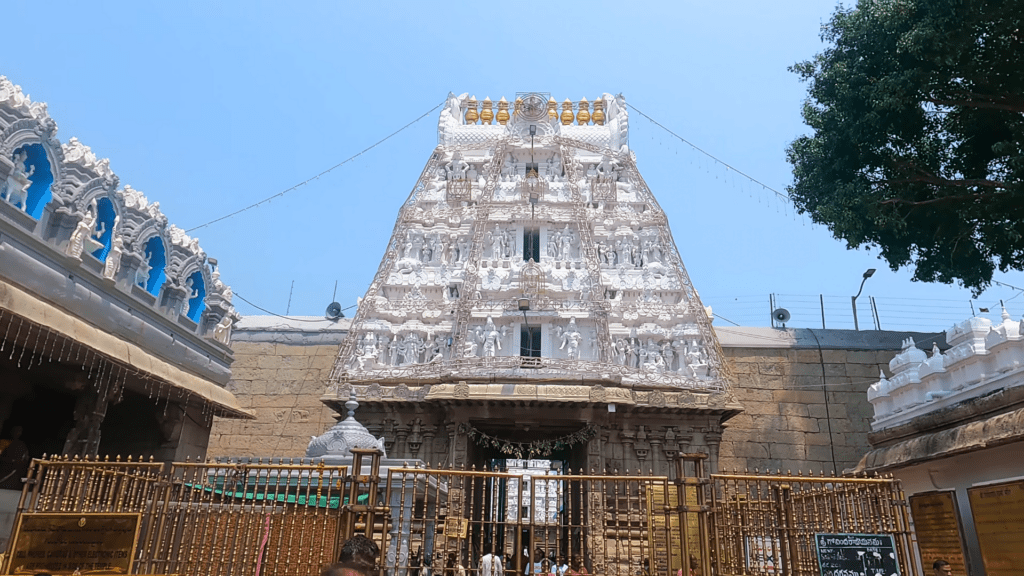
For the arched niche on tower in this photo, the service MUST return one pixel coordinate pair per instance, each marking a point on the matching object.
(153, 273)
(106, 217)
(39, 170)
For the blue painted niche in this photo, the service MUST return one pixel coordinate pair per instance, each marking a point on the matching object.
(39, 194)
(105, 216)
(197, 303)
(157, 260)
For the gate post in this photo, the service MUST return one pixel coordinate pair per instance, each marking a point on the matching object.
(700, 506)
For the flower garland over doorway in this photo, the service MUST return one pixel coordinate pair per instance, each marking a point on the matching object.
(529, 449)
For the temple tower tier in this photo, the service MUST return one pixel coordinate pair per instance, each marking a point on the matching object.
(531, 256)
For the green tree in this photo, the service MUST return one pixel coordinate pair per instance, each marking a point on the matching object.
(918, 135)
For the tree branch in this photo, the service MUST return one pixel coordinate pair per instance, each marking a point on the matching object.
(981, 101)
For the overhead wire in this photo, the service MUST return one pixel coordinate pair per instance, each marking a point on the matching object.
(292, 318)
(781, 195)
(325, 172)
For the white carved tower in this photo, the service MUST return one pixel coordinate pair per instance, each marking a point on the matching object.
(531, 259)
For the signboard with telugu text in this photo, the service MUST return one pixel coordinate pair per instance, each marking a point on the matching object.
(61, 543)
(856, 555)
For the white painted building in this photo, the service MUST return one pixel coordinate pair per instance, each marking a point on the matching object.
(950, 425)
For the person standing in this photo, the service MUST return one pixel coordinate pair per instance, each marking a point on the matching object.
(358, 558)
(942, 568)
(490, 565)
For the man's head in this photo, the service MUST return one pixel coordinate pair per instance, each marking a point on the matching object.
(539, 553)
(942, 568)
(359, 553)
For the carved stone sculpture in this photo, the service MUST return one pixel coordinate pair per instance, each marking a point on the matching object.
(571, 339)
(83, 231)
(19, 181)
(113, 263)
(222, 331)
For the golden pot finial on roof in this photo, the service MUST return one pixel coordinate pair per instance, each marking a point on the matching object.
(567, 115)
(583, 116)
(486, 111)
(471, 115)
(598, 115)
(552, 108)
(503, 115)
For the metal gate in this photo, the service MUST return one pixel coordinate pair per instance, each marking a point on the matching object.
(212, 518)
(444, 522)
(255, 518)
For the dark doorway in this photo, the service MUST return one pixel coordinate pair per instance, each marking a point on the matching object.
(45, 415)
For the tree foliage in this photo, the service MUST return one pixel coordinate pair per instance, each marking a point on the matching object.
(917, 111)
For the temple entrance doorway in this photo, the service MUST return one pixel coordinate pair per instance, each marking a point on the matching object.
(537, 513)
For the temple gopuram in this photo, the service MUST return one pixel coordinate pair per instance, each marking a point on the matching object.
(532, 303)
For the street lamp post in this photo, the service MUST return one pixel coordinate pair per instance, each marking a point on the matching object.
(853, 299)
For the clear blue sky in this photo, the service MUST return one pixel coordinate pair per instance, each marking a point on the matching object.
(209, 106)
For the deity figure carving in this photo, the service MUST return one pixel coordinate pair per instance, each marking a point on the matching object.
(191, 292)
(18, 181)
(606, 169)
(490, 337)
(696, 359)
(571, 340)
(496, 241)
(222, 331)
(438, 349)
(83, 231)
(411, 348)
(113, 263)
(651, 359)
(620, 350)
(463, 249)
(668, 354)
(368, 351)
(473, 340)
(458, 168)
(142, 274)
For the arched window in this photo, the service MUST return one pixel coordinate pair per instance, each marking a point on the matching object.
(152, 276)
(196, 297)
(104, 221)
(37, 167)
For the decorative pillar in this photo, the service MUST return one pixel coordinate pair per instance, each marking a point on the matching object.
(714, 441)
(429, 432)
(401, 447)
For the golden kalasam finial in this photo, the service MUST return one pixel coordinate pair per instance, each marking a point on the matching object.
(583, 116)
(598, 115)
(486, 111)
(503, 111)
(471, 115)
(518, 107)
(567, 114)
(552, 108)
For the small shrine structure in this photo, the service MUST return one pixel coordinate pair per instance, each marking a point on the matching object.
(531, 303)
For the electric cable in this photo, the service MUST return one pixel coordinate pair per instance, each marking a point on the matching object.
(308, 180)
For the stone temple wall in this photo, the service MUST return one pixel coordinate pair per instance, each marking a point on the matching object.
(279, 373)
(280, 368)
(781, 379)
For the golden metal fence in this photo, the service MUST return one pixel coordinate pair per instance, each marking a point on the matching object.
(765, 524)
(216, 517)
(256, 518)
